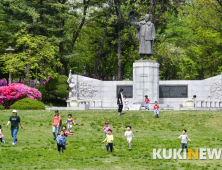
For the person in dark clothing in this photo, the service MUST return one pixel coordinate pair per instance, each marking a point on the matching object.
(15, 121)
(120, 101)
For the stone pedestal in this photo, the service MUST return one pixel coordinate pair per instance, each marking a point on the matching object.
(145, 81)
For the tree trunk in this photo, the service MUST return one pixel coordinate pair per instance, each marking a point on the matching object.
(127, 27)
(63, 70)
(41, 72)
(119, 45)
(103, 38)
(27, 74)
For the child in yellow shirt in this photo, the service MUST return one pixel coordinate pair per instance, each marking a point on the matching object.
(109, 140)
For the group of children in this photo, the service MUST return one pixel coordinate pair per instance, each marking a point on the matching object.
(129, 135)
(62, 135)
(146, 104)
(109, 137)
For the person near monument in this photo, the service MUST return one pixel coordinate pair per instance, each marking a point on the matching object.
(56, 123)
(156, 110)
(120, 101)
(15, 121)
(146, 102)
(106, 128)
(194, 98)
(125, 103)
(146, 34)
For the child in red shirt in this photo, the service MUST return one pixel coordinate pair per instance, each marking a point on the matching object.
(156, 110)
(146, 102)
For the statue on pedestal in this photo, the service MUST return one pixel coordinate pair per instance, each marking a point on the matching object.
(145, 33)
(72, 86)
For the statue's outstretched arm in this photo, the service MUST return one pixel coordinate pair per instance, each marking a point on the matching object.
(135, 24)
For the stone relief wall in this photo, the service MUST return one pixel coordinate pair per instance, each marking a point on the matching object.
(80, 90)
(215, 91)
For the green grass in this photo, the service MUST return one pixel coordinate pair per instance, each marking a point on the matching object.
(37, 150)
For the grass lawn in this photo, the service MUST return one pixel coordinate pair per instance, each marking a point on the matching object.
(37, 150)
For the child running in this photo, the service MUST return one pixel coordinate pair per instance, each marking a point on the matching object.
(125, 103)
(65, 132)
(156, 110)
(1, 135)
(129, 134)
(146, 102)
(109, 140)
(106, 128)
(61, 141)
(70, 121)
(184, 139)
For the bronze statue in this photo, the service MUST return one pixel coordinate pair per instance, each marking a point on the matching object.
(145, 33)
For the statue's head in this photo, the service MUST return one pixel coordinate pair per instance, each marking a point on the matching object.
(147, 17)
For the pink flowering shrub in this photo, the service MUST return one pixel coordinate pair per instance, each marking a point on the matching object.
(45, 82)
(3, 82)
(16, 91)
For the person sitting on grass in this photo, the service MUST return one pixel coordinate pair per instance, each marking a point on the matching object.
(129, 134)
(184, 139)
(156, 110)
(61, 141)
(109, 140)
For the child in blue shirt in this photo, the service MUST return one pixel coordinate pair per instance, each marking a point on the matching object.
(61, 141)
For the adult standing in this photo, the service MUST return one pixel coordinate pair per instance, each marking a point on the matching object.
(56, 123)
(15, 121)
(120, 102)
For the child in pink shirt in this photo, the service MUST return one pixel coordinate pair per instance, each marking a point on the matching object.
(146, 102)
(106, 128)
(1, 135)
(156, 110)
(65, 132)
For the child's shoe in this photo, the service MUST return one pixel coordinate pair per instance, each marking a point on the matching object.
(62, 151)
(3, 141)
(13, 143)
(16, 142)
(130, 148)
(59, 152)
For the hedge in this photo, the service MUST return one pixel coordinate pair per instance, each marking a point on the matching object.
(2, 107)
(28, 104)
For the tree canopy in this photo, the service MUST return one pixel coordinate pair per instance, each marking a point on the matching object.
(95, 38)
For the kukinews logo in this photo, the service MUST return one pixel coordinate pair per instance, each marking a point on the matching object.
(201, 153)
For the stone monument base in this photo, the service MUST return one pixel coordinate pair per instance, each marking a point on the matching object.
(145, 81)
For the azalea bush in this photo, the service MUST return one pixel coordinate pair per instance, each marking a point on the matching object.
(16, 91)
(45, 82)
(3, 82)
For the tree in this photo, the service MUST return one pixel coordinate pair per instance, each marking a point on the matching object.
(37, 54)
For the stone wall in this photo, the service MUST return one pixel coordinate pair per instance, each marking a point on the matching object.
(208, 89)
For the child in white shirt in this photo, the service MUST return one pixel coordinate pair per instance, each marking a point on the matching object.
(129, 134)
(184, 139)
(125, 102)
